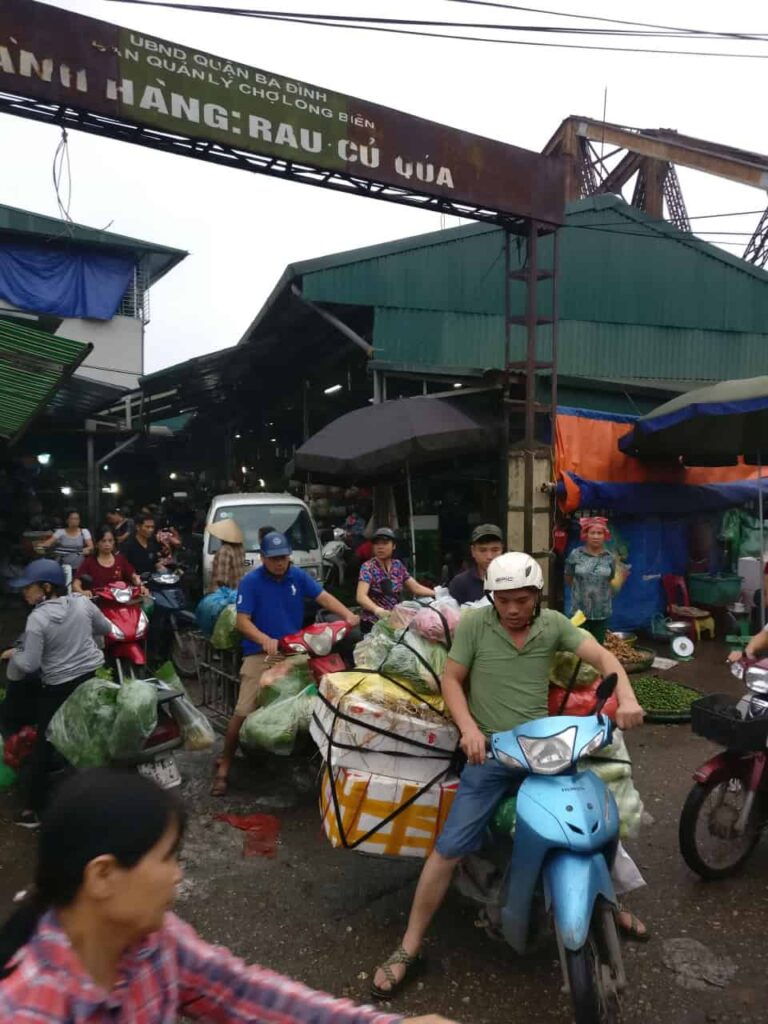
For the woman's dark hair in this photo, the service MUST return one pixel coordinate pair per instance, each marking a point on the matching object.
(102, 532)
(71, 512)
(98, 812)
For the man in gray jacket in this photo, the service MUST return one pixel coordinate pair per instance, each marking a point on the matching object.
(58, 644)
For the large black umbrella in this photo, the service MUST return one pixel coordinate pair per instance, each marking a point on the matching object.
(710, 426)
(385, 438)
(388, 438)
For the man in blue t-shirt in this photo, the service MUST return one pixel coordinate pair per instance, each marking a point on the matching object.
(270, 605)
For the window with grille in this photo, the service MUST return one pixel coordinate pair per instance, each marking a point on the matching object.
(135, 302)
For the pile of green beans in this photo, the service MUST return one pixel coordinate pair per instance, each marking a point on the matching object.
(663, 695)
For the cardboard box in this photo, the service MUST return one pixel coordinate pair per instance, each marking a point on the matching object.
(366, 800)
(358, 743)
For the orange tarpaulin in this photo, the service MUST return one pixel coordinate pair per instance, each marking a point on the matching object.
(590, 449)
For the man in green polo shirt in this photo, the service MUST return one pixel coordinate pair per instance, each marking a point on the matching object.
(502, 655)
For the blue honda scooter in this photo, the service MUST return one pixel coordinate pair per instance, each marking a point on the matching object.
(565, 838)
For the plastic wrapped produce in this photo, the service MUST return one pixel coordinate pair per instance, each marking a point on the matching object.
(563, 666)
(196, 731)
(614, 766)
(275, 728)
(136, 717)
(211, 606)
(373, 687)
(403, 614)
(81, 728)
(438, 622)
(371, 652)
(225, 636)
(361, 720)
(416, 661)
(286, 679)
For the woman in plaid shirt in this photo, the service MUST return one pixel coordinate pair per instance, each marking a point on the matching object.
(229, 561)
(96, 943)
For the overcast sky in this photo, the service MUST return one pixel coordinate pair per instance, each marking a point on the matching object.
(241, 229)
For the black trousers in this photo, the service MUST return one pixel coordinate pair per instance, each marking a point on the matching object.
(36, 782)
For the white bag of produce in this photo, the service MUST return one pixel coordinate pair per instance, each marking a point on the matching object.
(363, 721)
(616, 773)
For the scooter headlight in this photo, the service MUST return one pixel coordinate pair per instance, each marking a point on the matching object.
(508, 761)
(594, 744)
(141, 628)
(756, 680)
(122, 596)
(549, 754)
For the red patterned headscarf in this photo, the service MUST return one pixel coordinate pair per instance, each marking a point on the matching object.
(588, 522)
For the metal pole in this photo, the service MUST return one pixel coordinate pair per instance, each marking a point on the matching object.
(531, 319)
(93, 483)
(505, 395)
(531, 316)
(762, 539)
(410, 516)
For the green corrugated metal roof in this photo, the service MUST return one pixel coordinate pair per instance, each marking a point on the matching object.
(617, 266)
(159, 259)
(32, 366)
(430, 339)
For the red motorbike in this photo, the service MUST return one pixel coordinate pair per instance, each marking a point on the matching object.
(727, 808)
(321, 641)
(126, 646)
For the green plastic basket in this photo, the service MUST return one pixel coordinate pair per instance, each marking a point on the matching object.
(714, 588)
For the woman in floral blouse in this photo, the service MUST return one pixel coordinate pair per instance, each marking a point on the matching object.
(383, 579)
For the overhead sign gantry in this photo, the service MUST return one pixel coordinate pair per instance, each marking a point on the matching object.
(65, 69)
(80, 72)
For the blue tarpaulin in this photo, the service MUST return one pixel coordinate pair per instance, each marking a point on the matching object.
(665, 500)
(65, 281)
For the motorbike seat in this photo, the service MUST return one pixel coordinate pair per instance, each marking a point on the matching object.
(187, 617)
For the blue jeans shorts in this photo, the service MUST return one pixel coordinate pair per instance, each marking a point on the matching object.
(481, 788)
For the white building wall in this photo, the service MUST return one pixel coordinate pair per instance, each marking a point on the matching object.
(118, 347)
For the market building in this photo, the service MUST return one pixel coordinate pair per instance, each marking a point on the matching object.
(645, 311)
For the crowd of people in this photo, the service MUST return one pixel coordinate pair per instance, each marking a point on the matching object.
(109, 843)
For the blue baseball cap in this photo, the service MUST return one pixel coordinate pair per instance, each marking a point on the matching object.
(275, 545)
(43, 570)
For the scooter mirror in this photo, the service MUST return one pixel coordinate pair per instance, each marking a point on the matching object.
(605, 691)
(86, 581)
(607, 686)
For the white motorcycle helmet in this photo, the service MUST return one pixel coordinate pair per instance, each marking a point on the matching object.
(513, 570)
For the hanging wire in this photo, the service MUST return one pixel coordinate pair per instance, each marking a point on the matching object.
(62, 177)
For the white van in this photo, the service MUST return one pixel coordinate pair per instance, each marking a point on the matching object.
(282, 512)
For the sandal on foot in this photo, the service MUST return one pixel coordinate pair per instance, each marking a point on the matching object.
(219, 786)
(413, 963)
(635, 931)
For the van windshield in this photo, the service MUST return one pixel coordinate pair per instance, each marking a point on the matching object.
(292, 520)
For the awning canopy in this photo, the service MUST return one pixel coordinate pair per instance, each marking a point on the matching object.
(711, 426)
(33, 366)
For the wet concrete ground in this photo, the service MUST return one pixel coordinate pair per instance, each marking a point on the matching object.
(327, 917)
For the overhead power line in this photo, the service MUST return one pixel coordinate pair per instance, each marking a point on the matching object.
(597, 17)
(400, 27)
